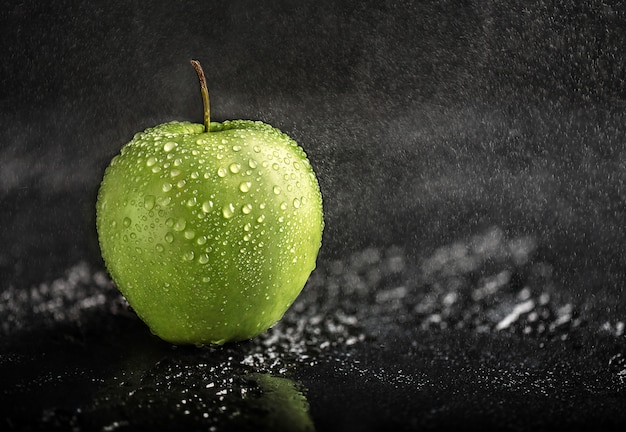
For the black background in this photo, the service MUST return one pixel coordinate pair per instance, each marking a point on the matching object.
(426, 122)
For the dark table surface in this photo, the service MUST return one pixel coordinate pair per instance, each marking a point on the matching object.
(472, 160)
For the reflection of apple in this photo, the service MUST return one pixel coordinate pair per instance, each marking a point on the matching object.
(210, 231)
(284, 405)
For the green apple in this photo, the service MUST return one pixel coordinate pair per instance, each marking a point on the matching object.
(210, 231)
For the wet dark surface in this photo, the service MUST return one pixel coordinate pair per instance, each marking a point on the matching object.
(472, 160)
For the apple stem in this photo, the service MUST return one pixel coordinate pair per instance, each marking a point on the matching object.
(205, 94)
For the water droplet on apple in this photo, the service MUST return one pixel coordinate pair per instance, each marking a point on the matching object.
(221, 172)
(296, 165)
(228, 211)
(175, 172)
(234, 167)
(181, 184)
(189, 234)
(156, 169)
(252, 163)
(246, 209)
(151, 161)
(203, 259)
(260, 219)
(178, 162)
(207, 206)
(189, 255)
(201, 240)
(191, 202)
(166, 187)
(126, 222)
(169, 146)
(283, 205)
(148, 202)
(195, 175)
(169, 237)
(180, 224)
(296, 203)
(163, 201)
(247, 227)
(236, 148)
(245, 186)
(277, 190)
(159, 247)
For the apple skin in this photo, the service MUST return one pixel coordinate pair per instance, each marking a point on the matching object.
(210, 236)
